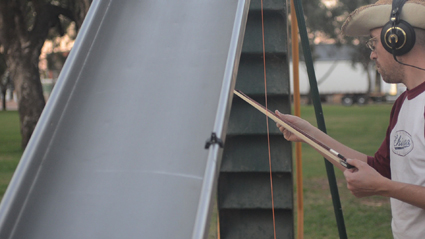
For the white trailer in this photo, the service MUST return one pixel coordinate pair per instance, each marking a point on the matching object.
(339, 80)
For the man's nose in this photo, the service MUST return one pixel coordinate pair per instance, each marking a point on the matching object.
(373, 55)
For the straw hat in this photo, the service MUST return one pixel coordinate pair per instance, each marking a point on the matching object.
(366, 18)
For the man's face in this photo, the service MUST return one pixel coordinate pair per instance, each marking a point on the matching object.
(390, 70)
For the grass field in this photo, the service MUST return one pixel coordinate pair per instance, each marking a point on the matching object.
(361, 128)
(10, 147)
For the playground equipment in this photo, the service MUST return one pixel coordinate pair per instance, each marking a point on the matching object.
(119, 149)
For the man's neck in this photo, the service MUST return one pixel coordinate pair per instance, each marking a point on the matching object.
(413, 76)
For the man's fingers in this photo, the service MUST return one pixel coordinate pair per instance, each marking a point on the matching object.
(355, 162)
(282, 116)
(277, 112)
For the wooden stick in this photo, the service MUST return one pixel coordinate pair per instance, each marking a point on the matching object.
(330, 153)
(297, 112)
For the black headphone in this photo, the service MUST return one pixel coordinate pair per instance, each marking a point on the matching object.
(397, 36)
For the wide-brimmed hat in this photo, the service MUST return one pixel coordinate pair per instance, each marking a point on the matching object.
(366, 18)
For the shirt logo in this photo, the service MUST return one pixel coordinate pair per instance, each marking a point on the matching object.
(402, 143)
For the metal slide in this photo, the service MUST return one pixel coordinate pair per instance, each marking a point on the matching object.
(119, 149)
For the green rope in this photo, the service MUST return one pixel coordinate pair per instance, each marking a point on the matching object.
(319, 116)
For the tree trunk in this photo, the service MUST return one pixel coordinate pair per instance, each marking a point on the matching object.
(25, 75)
(22, 38)
(369, 82)
(378, 87)
(3, 94)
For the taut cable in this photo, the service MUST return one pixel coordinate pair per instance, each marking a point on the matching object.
(267, 118)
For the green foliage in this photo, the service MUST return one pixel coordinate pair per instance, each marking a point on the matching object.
(323, 20)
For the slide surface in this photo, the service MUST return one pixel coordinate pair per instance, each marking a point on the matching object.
(119, 149)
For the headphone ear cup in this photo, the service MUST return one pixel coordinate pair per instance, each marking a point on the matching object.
(402, 38)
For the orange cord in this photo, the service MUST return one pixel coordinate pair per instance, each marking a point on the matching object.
(267, 118)
(268, 134)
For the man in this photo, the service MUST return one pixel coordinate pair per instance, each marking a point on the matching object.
(398, 168)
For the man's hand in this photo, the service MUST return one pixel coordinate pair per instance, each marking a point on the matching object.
(363, 180)
(294, 120)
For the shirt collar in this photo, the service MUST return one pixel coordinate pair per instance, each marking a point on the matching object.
(411, 94)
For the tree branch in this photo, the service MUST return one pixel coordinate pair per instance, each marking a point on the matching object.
(18, 14)
(47, 17)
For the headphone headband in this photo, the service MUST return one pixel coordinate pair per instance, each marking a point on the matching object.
(397, 6)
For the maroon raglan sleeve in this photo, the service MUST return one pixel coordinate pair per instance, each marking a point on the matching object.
(381, 161)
